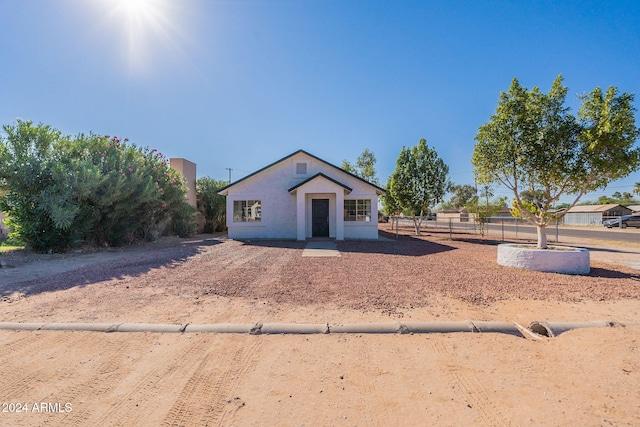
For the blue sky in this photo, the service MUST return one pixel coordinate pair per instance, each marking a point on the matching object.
(240, 84)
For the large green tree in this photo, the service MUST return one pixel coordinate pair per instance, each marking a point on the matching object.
(461, 195)
(365, 167)
(534, 144)
(419, 181)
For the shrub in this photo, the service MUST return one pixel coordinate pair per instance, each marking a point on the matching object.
(62, 190)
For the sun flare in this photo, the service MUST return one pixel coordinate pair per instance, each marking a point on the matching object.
(149, 29)
(137, 7)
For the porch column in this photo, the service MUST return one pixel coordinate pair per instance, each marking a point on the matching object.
(301, 229)
(340, 215)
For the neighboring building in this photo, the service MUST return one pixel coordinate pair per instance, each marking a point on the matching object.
(594, 214)
(302, 196)
(634, 208)
(188, 170)
(453, 214)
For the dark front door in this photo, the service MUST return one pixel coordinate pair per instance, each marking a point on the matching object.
(320, 217)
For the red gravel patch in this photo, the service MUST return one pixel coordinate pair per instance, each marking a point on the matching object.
(385, 275)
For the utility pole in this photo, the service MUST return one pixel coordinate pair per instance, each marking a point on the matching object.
(229, 169)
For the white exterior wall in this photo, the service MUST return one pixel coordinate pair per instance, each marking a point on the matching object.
(278, 206)
(362, 229)
(281, 210)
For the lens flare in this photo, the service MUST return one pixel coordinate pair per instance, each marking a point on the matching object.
(150, 31)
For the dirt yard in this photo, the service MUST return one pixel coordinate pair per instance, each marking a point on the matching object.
(582, 377)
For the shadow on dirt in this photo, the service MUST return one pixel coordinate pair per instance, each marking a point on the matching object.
(387, 244)
(129, 263)
(274, 243)
(612, 274)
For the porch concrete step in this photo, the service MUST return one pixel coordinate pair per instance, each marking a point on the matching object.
(321, 249)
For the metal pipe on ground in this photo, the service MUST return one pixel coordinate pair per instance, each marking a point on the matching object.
(150, 327)
(88, 327)
(222, 328)
(553, 329)
(549, 329)
(439, 327)
(294, 328)
(364, 328)
(497, 327)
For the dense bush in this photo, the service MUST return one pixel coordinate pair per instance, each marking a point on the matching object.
(212, 205)
(62, 190)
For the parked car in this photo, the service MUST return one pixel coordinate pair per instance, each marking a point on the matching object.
(627, 221)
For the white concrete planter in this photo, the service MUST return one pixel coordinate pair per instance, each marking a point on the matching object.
(564, 259)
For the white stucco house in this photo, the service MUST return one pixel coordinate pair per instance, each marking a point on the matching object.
(299, 197)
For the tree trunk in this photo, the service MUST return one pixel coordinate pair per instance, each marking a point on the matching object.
(542, 237)
(417, 223)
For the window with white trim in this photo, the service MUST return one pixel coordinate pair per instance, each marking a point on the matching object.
(301, 168)
(357, 210)
(247, 210)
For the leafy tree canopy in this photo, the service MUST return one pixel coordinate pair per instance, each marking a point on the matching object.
(534, 144)
(212, 205)
(365, 167)
(461, 195)
(419, 181)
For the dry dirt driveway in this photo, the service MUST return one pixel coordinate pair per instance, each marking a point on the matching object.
(581, 377)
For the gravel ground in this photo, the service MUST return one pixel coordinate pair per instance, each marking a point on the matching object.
(583, 377)
(385, 275)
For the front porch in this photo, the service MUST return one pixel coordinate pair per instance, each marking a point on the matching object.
(319, 208)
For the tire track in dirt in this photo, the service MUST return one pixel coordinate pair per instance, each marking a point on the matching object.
(232, 258)
(247, 360)
(225, 267)
(373, 413)
(153, 383)
(463, 378)
(208, 396)
(273, 273)
(32, 341)
(108, 371)
(15, 380)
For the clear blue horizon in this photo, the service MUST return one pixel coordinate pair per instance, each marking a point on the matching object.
(240, 84)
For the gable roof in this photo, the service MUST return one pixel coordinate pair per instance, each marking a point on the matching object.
(318, 175)
(379, 190)
(594, 208)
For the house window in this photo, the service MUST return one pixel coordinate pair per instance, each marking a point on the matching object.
(247, 210)
(301, 168)
(357, 210)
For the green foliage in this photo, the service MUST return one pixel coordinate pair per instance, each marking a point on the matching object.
(483, 210)
(212, 205)
(62, 190)
(365, 167)
(462, 195)
(35, 186)
(184, 222)
(419, 181)
(389, 203)
(533, 144)
(624, 199)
